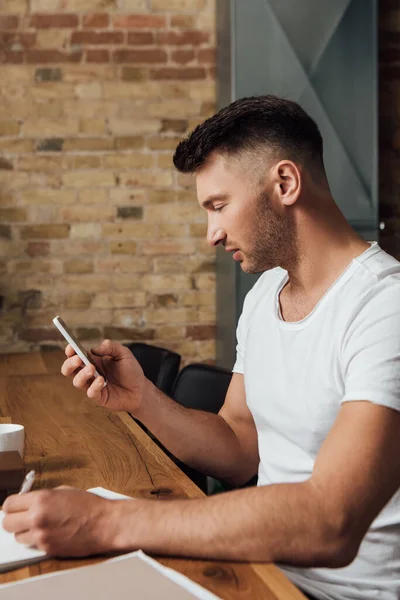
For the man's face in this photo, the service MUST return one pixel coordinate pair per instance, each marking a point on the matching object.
(242, 216)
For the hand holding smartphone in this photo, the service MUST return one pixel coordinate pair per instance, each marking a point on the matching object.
(79, 349)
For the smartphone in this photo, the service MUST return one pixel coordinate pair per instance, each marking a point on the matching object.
(79, 349)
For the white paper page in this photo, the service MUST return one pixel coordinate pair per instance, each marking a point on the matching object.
(13, 554)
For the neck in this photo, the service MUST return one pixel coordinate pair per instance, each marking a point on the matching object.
(325, 246)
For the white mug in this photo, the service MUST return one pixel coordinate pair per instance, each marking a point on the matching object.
(12, 437)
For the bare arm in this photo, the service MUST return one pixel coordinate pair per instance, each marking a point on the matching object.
(224, 445)
(319, 522)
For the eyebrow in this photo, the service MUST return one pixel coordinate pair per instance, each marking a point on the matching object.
(212, 199)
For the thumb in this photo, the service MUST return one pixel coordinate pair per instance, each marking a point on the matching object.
(107, 348)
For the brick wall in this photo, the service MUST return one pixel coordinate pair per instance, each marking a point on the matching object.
(95, 224)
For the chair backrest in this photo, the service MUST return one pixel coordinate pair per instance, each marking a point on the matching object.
(160, 365)
(202, 387)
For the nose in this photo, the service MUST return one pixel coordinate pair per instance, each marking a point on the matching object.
(215, 235)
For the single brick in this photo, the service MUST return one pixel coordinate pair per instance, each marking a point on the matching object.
(52, 56)
(79, 300)
(40, 335)
(11, 57)
(201, 332)
(37, 249)
(129, 142)
(133, 74)
(176, 125)
(182, 21)
(51, 128)
(9, 128)
(9, 22)
(186, 73)
(44, 231)
(16, 41)
(163, 143)
(169, 247)
(139, 21)
(88, 333)
(140, 56)
(182, 57)
(97, 56)
(96, 20)
(5, 164)
(206, 56)
(88, 144)
(178, 5)
(58, 20)
(16, 146)
(130, 212)
(13, 214)
(30, 299)
(165, 300)
(125, 247)
(92, 126)
(182, 38)
(79, 265)
(38, 196)
(128, 333)
(43, 74)
(139, 38)
(50, 145)
(97, 37)
(5, 231)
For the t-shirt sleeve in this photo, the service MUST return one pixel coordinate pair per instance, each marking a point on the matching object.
(371, 350)
(244, 322)
(241, 329)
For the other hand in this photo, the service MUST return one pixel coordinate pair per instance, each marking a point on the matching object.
(64, 521)
(126, 382)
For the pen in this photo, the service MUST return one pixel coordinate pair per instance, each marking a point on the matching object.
(27, 482)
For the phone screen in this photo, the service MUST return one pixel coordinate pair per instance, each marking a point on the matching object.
(74, 342)
(74, 339)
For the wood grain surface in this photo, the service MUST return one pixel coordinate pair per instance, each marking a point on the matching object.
(69, 440)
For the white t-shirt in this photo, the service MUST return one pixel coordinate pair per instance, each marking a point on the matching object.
(296, 377)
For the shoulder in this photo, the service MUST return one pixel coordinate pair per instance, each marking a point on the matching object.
(374, 316)
(382, 294)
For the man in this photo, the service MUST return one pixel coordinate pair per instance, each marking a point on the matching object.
(314, 402)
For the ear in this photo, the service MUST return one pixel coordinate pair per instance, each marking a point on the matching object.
(287, 178)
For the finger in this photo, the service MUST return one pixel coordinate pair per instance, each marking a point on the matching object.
(94, 392)
(81, 379)
(69, 351)
(16, 522)
(18, 502)
(26, 538)
(70, 365)
(107, 348)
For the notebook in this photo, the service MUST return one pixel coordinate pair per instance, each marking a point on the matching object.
(14, 555)
(133, 575)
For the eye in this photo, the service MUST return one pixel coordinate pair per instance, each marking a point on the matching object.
(218, 208)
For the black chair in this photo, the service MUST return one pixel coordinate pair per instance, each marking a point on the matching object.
(202, 387)
(160, 365)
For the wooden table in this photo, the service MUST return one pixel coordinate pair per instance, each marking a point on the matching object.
(71, 441)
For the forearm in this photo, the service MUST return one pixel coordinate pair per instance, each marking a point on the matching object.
(276, 523)
(202, 440)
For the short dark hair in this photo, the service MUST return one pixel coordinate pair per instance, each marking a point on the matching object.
(248, 124)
